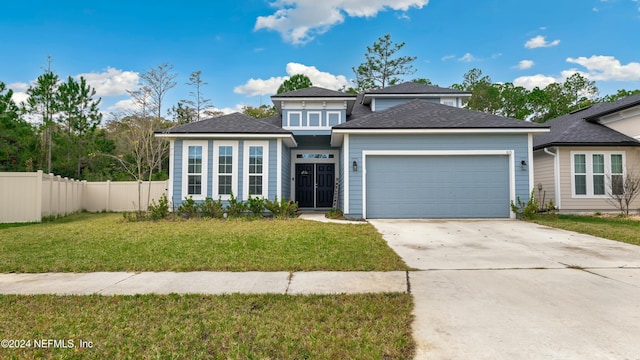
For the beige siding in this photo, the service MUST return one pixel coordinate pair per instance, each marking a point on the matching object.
(543, 177)
(570, 203)
(626, 122)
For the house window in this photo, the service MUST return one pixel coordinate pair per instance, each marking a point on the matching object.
(597, 174)
(225, 156)
(194, 171)
(194, 179)
(256, 156)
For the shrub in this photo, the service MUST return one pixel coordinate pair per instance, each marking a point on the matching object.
(189, 208)
(255, 205)
(236, 207)
(212, 209)
(160, 210)
(528, 210)
(283, 209)
(335, 214)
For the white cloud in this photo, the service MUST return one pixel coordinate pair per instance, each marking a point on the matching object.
(299, 21)
(124, 106)
(607, 68)
(447, 57)
(19, 92)
(525, 64)
(112, 82)
(540, 41)
(530, 82)
(228, 110)
(255, 87)
(467, 58)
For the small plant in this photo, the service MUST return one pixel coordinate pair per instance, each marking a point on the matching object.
(189, 208)
(160, 210)
(236, 206)
(283, 209)
(255, 206)
(528, 210)
(335, 214)
(598, 213)
(212, 209)
(133, 216)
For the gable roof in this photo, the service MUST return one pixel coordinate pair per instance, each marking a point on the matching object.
(423, 114)
(580, 128)
(415, 88)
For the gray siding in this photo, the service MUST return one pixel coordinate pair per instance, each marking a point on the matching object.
(177, 173)
(286, 173)
(543, 175)
(273, 169)
(359, 143)
(383, 104)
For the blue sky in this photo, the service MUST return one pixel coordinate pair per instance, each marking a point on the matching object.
(245, 49)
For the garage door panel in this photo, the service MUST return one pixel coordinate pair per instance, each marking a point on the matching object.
(437, 186)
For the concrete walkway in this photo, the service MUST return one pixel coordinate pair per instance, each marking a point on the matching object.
(202, 282)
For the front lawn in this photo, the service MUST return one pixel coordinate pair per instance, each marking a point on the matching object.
(104, 242)
(370, 326)
(614, 228)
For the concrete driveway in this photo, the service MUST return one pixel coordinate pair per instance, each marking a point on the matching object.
(506, 289)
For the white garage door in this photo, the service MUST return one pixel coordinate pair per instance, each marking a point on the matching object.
(419, 186)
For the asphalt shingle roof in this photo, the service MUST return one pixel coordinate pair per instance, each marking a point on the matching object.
(423, 114)
(235, 123)
(415, 88)
(581, 128)
(313, 91)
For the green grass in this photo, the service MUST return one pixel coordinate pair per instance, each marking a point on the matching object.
(104, 242)
(371, 326)
(619, 229)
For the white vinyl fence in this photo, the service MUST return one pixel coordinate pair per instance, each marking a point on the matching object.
(30, 196)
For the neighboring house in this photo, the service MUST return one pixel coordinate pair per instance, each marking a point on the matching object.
(405, 151)
(586, 153)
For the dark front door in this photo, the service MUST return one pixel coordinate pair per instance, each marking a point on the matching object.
(325, 177)
(315, 185)
(305, 184)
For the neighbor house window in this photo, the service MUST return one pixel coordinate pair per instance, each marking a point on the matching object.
(194, 179)
(597, 174)
(225, 158)
(256, 156)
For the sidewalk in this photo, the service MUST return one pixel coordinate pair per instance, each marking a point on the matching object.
(203, 282)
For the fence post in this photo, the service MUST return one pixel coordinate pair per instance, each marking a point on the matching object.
(38, 210)
(108, 204)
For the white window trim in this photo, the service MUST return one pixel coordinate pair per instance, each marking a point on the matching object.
(216, 169)
(289, 113)
(589, 174)
(304, 120)
(265, 168)
(329, 113)
(185, 168)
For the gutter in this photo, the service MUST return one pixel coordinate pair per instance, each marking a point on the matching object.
(556, 176)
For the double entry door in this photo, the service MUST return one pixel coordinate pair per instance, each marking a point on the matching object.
(315, 185)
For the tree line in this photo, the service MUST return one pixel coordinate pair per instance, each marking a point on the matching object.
(60, 128)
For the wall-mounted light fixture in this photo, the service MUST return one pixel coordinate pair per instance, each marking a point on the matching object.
(523, 165)
(355, 166)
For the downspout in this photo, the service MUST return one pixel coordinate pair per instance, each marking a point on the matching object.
(556, 177)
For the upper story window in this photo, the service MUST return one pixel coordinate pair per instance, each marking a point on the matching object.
(312, 119)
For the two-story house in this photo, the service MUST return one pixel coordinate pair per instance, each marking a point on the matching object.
(405, 151)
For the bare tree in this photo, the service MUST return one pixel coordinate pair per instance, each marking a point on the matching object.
(158, 81)
(623, 190)
(199, 102)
